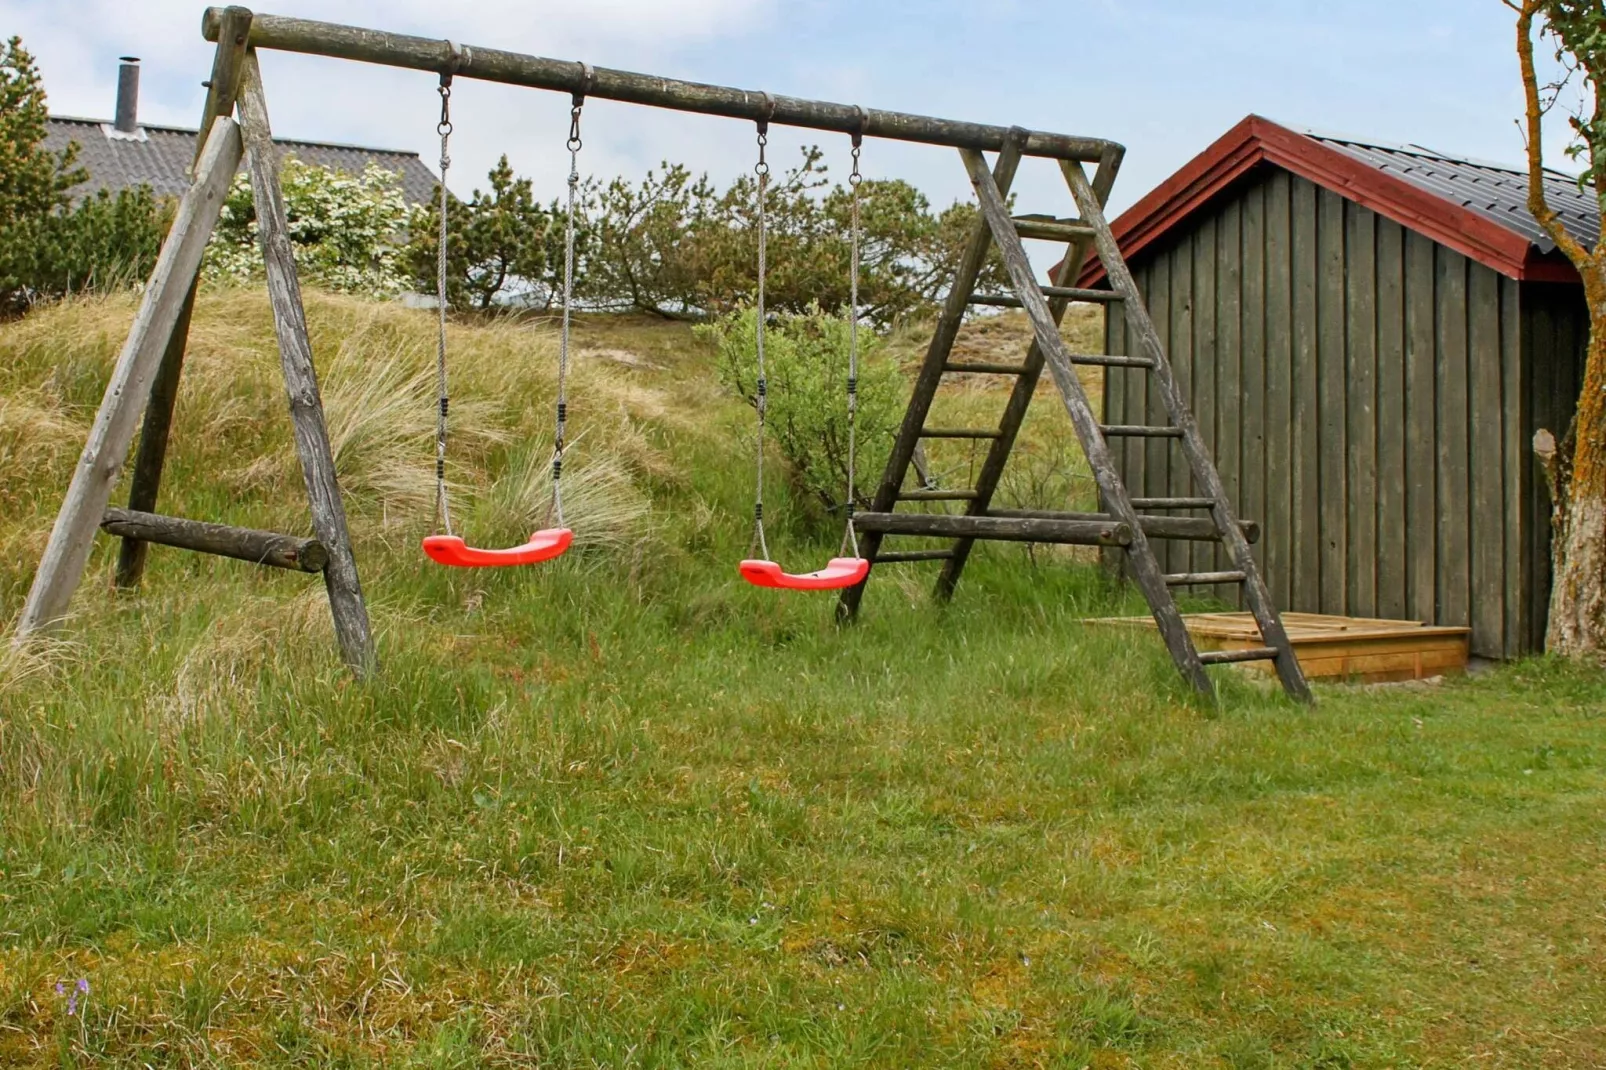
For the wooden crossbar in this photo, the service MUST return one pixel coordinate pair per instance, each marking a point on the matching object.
(311, 37)
(243, 544)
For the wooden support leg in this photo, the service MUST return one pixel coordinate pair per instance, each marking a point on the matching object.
(301, 380)
(145, 482)
(1145, 568)
(146, 479)
(1020, 398)
(62, 566)
(925, 389)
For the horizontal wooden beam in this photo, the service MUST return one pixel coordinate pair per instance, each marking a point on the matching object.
(903, 556)
(1228, 657)
(311, 37)
(1068, 293)
(243, 544)
(1005, 529)
(1187, 528)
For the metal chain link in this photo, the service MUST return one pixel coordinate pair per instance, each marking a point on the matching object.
(762, 169)
(444, 129)
(855, 180)
(559, 441)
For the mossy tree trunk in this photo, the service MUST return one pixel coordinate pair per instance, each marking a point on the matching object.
(1575, 467)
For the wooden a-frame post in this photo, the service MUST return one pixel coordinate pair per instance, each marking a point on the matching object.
(73, 534)
(149, 367)
(145, 480)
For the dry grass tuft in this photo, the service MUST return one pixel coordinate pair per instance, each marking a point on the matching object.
(36, 658)
(600, 500)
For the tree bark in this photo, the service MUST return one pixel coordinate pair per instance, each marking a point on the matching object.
(1577, 627)
(1576, 467)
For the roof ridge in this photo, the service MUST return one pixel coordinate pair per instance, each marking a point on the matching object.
(1414, 149)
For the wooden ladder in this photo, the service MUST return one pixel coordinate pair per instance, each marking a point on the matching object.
(1120, 524)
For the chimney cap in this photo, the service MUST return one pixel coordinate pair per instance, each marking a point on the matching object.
(128, 59)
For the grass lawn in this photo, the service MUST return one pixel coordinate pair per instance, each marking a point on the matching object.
(622, 811)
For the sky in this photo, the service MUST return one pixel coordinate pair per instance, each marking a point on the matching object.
(1163, 77)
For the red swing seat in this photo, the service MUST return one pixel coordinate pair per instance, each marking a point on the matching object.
(838, 573)
(544, 545)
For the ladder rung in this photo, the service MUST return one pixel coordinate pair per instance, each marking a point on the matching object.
(1048, 228)
(1068, 293)
(1227, 657)
(912, 555)
(1139, 431)
(1103, 361)
(1193, 528)
(1172, 503)
(945, 526)
(1191, 579)
(936, 495)
(984, 368)
(960, 432)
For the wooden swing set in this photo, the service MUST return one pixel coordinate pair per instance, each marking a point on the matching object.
(235, 126)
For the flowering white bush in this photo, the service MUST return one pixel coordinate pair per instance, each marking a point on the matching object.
(347, 230)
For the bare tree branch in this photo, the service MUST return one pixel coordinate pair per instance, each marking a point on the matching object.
(1538, 203)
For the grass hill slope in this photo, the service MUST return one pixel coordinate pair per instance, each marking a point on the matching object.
(623, 811)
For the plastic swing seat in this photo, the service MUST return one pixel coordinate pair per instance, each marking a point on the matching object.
(838, 573)
(544, 545)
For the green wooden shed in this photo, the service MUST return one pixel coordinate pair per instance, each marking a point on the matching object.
(1369, 336)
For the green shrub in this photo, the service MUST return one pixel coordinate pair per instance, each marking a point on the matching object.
(48, 246)
(105, 242)
(348, 231)
(502, 246)
(676, 246)
(806, 362)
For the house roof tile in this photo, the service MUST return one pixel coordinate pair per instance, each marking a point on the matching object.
(160, 156)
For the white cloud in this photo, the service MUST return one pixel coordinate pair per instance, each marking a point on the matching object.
(77, 44)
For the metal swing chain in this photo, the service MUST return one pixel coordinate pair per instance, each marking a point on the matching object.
(559, 439)
(762, 169)
(444, 128)
(855, 180)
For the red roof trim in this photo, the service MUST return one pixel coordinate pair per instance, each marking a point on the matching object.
(1256, 140)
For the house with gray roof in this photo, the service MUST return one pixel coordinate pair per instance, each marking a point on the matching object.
(124, 153)
(1370, 335)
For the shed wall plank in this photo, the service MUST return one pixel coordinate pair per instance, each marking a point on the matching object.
(1252, 365)
(1307, 549)
(1515, 461)
(1486, 476)
(1362, 427)
(1176, 553)
(1421, 456)
(1199, 556)
(1280, 389)
(1156, 460)
(1454, 441)
(1392, 544)
(1229, 368)
(1332, 397)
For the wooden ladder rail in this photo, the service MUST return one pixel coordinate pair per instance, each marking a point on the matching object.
(889, 491)
(1206, 478)
(1020, 398)
(1145, 566)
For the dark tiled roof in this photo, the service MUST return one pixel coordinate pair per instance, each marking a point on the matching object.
(158, 156)
(1497, 192)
